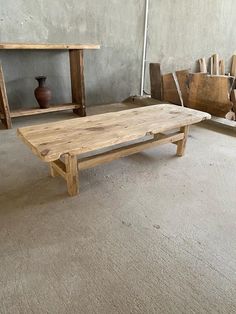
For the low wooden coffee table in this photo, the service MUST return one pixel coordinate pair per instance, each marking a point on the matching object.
(62, 143)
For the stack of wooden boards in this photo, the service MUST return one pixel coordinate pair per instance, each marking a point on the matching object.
(214, 93)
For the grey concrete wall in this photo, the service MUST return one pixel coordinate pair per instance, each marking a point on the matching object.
(180, 32)
(111, 74)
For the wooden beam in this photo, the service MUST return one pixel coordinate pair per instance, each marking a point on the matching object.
(215, 59)
(211, 66)
(182, 143)
(36, 111)
(95, 160)
(222, 67)
(53, 172)
(233, 99)
(224, 123)
(47, 46)
(77, 80)
(156, 81)
(202, 64)
(4, 106)
(178, 89)
(71, 174)
(233, 66)
(58, 167)
(183, 80)
(68, 171)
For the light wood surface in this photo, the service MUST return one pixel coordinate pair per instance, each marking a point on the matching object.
(215, 60)
(36, 111)
(222, 67)
(67, 139)
(203, 65)
(178, 89)
(182, 143)
(69, 169)
(233, 66)
(211, 66)
(47, 46)
(92, 161)
(71, 174)
(58, 167)
(224, 123)
(76, 136)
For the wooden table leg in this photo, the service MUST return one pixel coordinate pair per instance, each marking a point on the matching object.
(53, 172)
(4, 106)
(181, 145)
(77, 80)
(71, 174)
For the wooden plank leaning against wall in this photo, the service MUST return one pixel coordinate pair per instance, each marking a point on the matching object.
(201, 91)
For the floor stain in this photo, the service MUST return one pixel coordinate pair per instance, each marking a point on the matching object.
(127, 224)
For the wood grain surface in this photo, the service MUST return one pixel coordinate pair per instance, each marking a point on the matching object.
(210, 93)
(36, 111)
(47, 46)
(83, 135)
(170, 92)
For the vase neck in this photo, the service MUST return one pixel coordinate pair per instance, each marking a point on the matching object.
(41, 80)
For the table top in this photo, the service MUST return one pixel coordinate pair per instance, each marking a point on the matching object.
(41, 46)
(82, 135)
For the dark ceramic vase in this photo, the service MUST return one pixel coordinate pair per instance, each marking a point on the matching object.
(42, 93)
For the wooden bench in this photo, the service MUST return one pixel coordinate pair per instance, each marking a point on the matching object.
(62, 143)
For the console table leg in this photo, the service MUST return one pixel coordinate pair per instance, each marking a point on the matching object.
(71, 174)
(4, 106)
(181, 145)
(77, 80)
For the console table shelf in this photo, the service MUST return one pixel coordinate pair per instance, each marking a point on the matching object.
(77, 81)
(35, 111)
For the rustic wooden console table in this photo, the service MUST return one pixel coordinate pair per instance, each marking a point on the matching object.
(77, 82)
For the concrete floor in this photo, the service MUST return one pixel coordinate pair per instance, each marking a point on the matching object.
(151, 233)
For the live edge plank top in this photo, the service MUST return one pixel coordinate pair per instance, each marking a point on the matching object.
(48, 46)
(82, 135)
